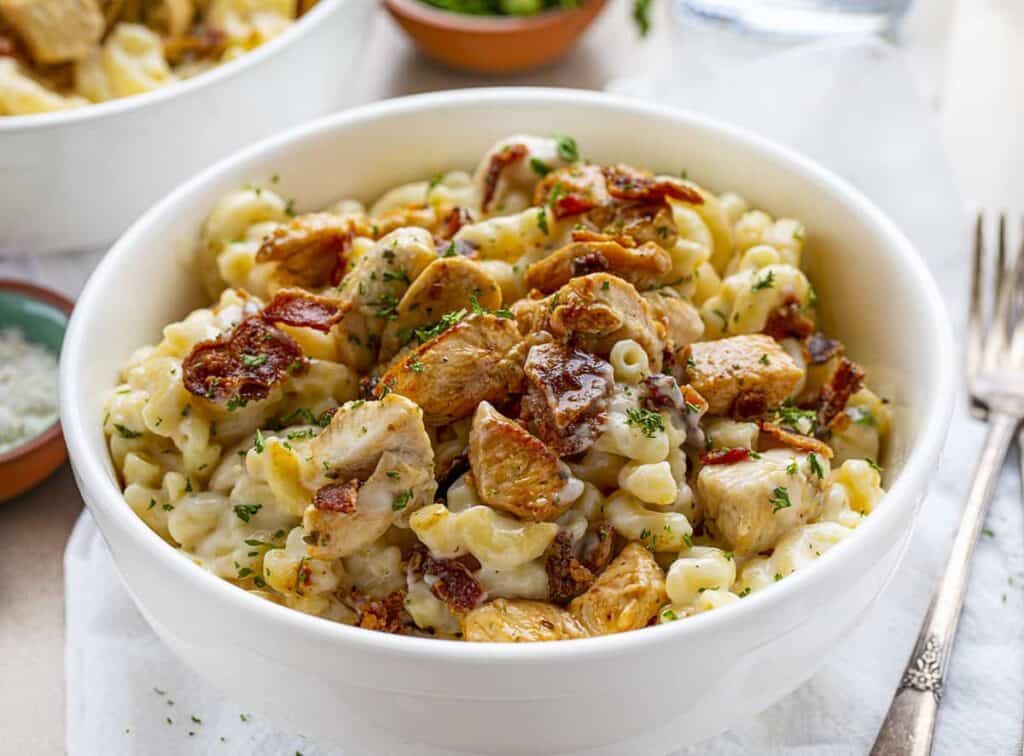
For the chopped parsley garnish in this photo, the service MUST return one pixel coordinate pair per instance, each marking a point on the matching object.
(648, 421)
(258, 443)
(415, 365)
(434, 181)
(387, 307)
(765, 283)
(168, 507)
(791, 468)
(642, 17)
(423, 335)
(691, 407)
(542, 220)
(688, 540)
(778, 576)
(449, 251)
(306, 433)
(812, 296)
(745, 592)
(539, 167)
(246, 511)
(394, 474)
(669, 615)
(401, 275)
(764, 359)
(780, 499)
(124, 432)
(862, 416)
(816, 467)
(728, 555)
(794, 418)
(606, 286)
(236, 402)
(401, 501)
(568, 150)
(873, 465)
(289, 208)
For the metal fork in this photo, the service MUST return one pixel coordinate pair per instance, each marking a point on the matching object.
(995, 374)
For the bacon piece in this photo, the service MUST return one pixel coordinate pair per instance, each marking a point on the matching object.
(299, 308)
(242, 364)
(846, 379)
(789, 321)
(572, 190)
(455, 586)
(509, 154)
(565, 400)
(455, 220)
(750, 405)
(572, 204)
(386, 615)
(820, 349)
(796, 440)
(568, 577)
(628, 183)
(337, 497)
(725, 456)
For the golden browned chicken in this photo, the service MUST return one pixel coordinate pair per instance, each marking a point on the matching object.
(626, 596)
(643, 266)
(519, 621)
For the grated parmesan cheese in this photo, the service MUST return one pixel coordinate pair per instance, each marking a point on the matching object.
(28, 389)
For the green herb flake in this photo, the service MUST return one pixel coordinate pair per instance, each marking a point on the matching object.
(542, 221)
(780, 499)
(539, 167)
(246, 511)
(124, 432)
(258, 443)
(647, 421)
(767, 282)
(401, 501)
(568, 150)
(816, 466)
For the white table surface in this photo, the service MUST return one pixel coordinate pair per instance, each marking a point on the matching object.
(970, 57)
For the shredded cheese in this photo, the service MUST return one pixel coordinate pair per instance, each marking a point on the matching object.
(28, 389)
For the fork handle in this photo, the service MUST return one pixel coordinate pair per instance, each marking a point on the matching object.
(909, 727)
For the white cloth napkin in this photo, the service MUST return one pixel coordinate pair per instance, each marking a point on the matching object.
(855, 109)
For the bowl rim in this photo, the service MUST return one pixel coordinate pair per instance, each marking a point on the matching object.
(907, 490)
(229, 70)
(56, 301)
(452, 21)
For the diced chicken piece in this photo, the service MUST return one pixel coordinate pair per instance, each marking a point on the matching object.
(594, 313)
(626, 596)
(683, 323)
(310, 250)
(383, 453)
(478, 359)
(55, 31)
(642, 266)
(742, 375)
(566, 396)
(447, 285)
(373, 288)
(519, 621)
(514, 470)
(753, 503)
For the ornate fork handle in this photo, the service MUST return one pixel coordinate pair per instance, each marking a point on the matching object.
(909, 726)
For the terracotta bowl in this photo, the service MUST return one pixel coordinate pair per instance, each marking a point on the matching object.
(492, 44)
(42, 315)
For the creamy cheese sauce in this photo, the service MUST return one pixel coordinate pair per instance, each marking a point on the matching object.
(28, 389)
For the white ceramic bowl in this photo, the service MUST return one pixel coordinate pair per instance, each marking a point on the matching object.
(74, 180)
(655, 689)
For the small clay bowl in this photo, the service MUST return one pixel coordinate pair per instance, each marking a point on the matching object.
(492, 44)
(42, 315)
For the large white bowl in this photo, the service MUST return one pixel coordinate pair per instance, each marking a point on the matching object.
(653, 689)
(74, 180)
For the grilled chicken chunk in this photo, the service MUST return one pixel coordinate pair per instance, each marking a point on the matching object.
(309, 250)
(683, 324)
(373, 288)
(752, 504)
(448, 284)
(384, 453)
(742, 375)
(477, 359)
(642, 266)
(593, 313)
(515, 471)
(626, 596)
(519, 621)
(566, 395)
(55, 31)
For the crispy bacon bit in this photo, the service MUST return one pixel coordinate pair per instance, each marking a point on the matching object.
(455, 585)
(565, 401)
(598, 548)
(749, 405)
(586, 235)
(832, 401)
(725, 456)
(242, 364)
(455, 220)
(628, 183)
(386, 615)
(509, 154)
(789, 321)
(299, 308)
(572, 204)
(337, 497)
(592, 262)
(797, 441)
(568, 577)
(820, 349)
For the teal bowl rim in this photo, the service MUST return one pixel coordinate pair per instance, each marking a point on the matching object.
(57, 302)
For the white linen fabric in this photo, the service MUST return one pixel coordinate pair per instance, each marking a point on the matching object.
(854, 108)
